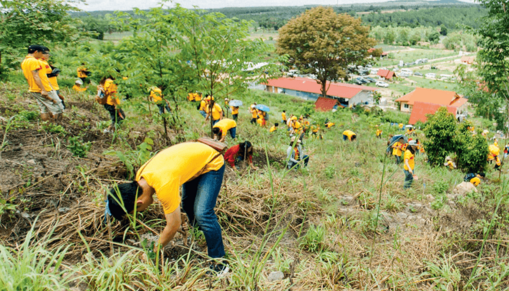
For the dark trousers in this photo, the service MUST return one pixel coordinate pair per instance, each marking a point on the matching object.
(235, 116)
(398, 159)
(253, 120)
(116, 115)
(162, 107)
(199, 198)
(409, 178)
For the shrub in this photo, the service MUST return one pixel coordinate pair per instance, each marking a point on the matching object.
(440, 129)
(313, 240)
(77, 147)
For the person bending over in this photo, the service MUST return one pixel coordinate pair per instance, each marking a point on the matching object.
(241, 152)
(222, 127)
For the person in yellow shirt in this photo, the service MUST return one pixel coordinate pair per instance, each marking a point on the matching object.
(296, 126)
(396, 150)
(378, 132)
(83, 74)
(235, 112)
(213, 110)
(274, 127)
(475, 179)
(77, 86)
(329, 124)
(350, 135)
(254, 114)
(156, 95)
(315, 131)
(199, 170)
(306, 125)
(201, 108)
(401, 126)
(191, 97)
(409, 164)
(40, 89)
(262, 118)
(222, 127)
(52, 74)
(449, 163)
(117, 115)
(283, 117)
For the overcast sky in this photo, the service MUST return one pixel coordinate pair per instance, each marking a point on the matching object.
(144, 4)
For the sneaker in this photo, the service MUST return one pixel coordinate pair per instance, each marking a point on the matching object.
(219, 269)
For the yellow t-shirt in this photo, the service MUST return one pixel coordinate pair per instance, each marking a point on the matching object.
(225, 124)
(43, 73)
(254, 113)
(273, 128)
(156, 95)
(396, 149)
(32, 64)
(450, 164)
(176, 165)
(330, 124)
(235, 110)
(216, 111)
(79, 89)
(411, 161)
(297, 127)
(315, 128)
(190, 96)
(110, 90)
(283, 115)
(378, 132)
(81, 72)
(401, 125)
(202, 105)
(349, 134)
(476, 181)
(53, 80)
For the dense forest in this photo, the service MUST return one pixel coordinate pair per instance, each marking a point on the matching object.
(450, 14)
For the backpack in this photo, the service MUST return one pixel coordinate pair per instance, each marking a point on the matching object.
(215, 144)
(469, 177)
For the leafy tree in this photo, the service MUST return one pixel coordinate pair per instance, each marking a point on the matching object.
(323, 43)
(390, 36)
(471, 150)
(493, 65)
(443, 30)
(434, 37)
(24, 22)
(440, 129)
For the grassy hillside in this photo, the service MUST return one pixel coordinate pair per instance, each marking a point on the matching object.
(344, 222)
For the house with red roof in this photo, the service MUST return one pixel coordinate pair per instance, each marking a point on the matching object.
(309, 89)
(423, 101)
(386, 74)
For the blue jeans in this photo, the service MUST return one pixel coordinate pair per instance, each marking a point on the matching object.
(409, 178)
(203, 113)
(233, 132)
(199, 198)
(293, 165)
(214, 122)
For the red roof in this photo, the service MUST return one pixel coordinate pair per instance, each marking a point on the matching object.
(434, 96)
(386, 74)
(384, 54)
(325, 104)
(339, 90)
(420, 110)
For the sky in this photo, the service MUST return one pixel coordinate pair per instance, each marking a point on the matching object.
(145, 4)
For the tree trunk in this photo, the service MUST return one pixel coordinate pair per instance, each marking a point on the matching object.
(324, 87)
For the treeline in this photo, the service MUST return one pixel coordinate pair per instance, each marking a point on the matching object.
(451, 17)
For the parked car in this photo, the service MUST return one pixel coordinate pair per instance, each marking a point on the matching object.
(358, 82)
(418, 74)
(370, 80)
(362, 80)
(430, 75)
(373, 72)
(382, 84)
(404, 74)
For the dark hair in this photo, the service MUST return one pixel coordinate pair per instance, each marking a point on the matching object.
(35, 48)
(216, 130)
(276, 124)
(243, 147)
(284, 110)
(103, 80)
(482, 175)
(82, 64)
(207, 95)
(45, 50)
(411, 149)
(128, 193)
(354, 137)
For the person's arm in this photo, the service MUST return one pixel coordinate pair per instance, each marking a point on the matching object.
(250, 158)
(290, 155)
(38, 81)
(173, 222)
(408, 166)
(222, 138)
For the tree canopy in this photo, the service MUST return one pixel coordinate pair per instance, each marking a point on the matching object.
(324, 43)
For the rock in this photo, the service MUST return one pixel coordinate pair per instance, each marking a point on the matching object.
(276, 276)
(31, 162)
(402, 215)
(464, 188)
(25, 215)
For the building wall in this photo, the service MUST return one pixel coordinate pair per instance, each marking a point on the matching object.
(403, 109)
(361, 97)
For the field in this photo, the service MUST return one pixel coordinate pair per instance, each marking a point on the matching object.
(344, 222)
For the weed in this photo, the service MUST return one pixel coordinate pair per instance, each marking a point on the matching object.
(439, 202)
(330, 172)
(440, 187)
(313, 241)
(391, 203)
(53, 128)
(77, 147)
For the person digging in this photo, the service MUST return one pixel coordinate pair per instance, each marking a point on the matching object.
(199, 170)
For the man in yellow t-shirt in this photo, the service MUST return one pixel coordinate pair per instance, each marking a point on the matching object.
(77, 86)
(203, 104)
(222, 127)
(39, 86)
(283, 117)
(409, 164)
(235, 112)
(350, 135)
(157, 97)
(199, 170)
(117, 115)
(274, 127)
(378, 132)
(254, 114)
(396, 150)
(213, 110)
(83, 74)
(296, 126)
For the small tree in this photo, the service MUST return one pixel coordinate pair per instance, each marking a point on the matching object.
(324, 43)
(471, 150)
(440, 129)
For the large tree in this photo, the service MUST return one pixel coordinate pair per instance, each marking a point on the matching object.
(24, 22)
(324, 43)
